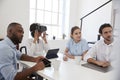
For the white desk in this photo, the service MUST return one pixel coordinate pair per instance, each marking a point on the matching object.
(70, 71)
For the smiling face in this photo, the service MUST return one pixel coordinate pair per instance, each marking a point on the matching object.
(76, 34)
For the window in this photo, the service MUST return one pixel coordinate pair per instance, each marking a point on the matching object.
(50, 13)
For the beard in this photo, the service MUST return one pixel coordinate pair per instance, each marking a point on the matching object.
(15, 39)
(109, 38)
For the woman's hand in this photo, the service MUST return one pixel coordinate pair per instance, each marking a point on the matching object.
(70, 56)
(44, 37)
(65, 58)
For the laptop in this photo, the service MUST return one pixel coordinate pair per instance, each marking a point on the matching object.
(98, 68)
(52, 53)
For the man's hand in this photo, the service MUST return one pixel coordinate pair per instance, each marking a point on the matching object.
(39, 66)
(103, 64)
(39, 58)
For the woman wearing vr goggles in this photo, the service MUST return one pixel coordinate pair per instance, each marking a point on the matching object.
(38, 44)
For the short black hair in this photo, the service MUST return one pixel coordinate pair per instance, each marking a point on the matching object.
(104, 26)
(32, 33)
(13, 24)
(33, 28)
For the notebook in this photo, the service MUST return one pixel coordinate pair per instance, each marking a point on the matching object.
(52, 53)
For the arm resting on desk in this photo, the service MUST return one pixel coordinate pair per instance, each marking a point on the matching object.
(23, 75)
(25, 57)
(38, 66)
(99, 63)
(68, 55)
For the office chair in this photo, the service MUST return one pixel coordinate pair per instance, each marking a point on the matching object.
(25, 49)
(98, 37)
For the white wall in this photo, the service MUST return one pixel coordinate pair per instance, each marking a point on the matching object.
(79, 8)
(74, 17)
(18, 11)
(61, 44)
(14, 11)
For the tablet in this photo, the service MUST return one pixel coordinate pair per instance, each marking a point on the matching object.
(52, 53)
(46, 62)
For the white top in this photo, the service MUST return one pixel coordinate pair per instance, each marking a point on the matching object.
(100, 51)
(36, 49)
